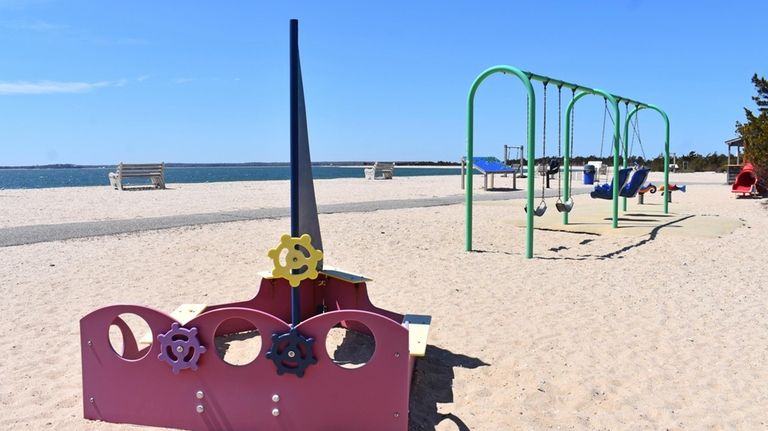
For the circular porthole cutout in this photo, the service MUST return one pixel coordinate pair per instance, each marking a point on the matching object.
(130, 336)
(238, 342)
(350, 344)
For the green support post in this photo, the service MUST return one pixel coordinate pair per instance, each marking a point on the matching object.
(626, 146)
(666, 146)
(666, 153)
(616, 138)
(616, 150)
(567, 152)
(531, 150)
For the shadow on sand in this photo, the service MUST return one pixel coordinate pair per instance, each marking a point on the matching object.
(432, 385)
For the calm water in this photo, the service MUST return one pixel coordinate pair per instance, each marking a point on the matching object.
(79, 177)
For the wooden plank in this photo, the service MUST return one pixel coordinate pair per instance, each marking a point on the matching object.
(141, 165)
(418, 332)
(340, 274)
(140, 174)
(140, 171)
(329, 271)
(266, 275)
(182, 314)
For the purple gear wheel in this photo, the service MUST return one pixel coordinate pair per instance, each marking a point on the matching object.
(180, 348)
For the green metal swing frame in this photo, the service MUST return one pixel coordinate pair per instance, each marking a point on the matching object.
(526, 78)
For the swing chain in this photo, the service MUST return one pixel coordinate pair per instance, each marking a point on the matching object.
(605, 117)
(570, 150)
(559, 138)
(544, 142)
(636, 127)
(624, 139)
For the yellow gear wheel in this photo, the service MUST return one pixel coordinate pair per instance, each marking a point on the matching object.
(295, 259)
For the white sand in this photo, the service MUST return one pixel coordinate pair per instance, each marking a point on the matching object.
(622, 330)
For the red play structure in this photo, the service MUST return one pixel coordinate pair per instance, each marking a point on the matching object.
(748, 183)
(177, 377)
(140, 388)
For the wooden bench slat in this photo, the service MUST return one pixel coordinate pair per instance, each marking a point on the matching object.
(141, 174)
(140, 165)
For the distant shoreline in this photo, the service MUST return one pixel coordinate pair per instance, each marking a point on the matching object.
(65, 176)
(354, 164)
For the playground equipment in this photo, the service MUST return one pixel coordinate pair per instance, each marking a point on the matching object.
(605, 191)
(733, 169)
(747, 182)
(544, 169)
(552, 166)
(639, 176)
(648, 188)
(614, 102)
(179, 381)
(673, 188)
(488, 166)
(560, 205)
(651, 188)
(526, 78)
(670, 189)
(519, 151)
(635, 114)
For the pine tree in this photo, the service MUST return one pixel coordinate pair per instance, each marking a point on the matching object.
(755, 130)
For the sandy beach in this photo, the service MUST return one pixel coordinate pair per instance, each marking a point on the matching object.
(662, 324)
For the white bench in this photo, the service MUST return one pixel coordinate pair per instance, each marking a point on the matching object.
(154, 171)
(380, 171)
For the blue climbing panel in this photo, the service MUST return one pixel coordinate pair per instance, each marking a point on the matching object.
(491, 165)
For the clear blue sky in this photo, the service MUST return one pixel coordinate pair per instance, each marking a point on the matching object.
(98, 82)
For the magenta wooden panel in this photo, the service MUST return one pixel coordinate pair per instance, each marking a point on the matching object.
(146, 392)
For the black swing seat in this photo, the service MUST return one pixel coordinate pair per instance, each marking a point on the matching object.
(540, 210)
(564, 207)
(550, 168)
(554, 167)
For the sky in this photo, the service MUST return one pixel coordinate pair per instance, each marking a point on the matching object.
(99, 82)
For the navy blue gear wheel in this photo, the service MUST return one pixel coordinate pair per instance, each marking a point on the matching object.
(292, 353)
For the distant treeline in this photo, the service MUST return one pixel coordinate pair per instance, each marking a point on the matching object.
(229, 165)
(691, 162)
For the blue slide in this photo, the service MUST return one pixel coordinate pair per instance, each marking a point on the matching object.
(605, 191)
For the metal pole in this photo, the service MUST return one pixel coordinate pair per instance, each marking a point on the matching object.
(666, 152)
(616, 138)
(542, 78)
(616, 150)
(294, 115)
(666, 144)
(531, 150)
(626, 143)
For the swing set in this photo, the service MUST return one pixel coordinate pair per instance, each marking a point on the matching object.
(564, 199)
(551, 167)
